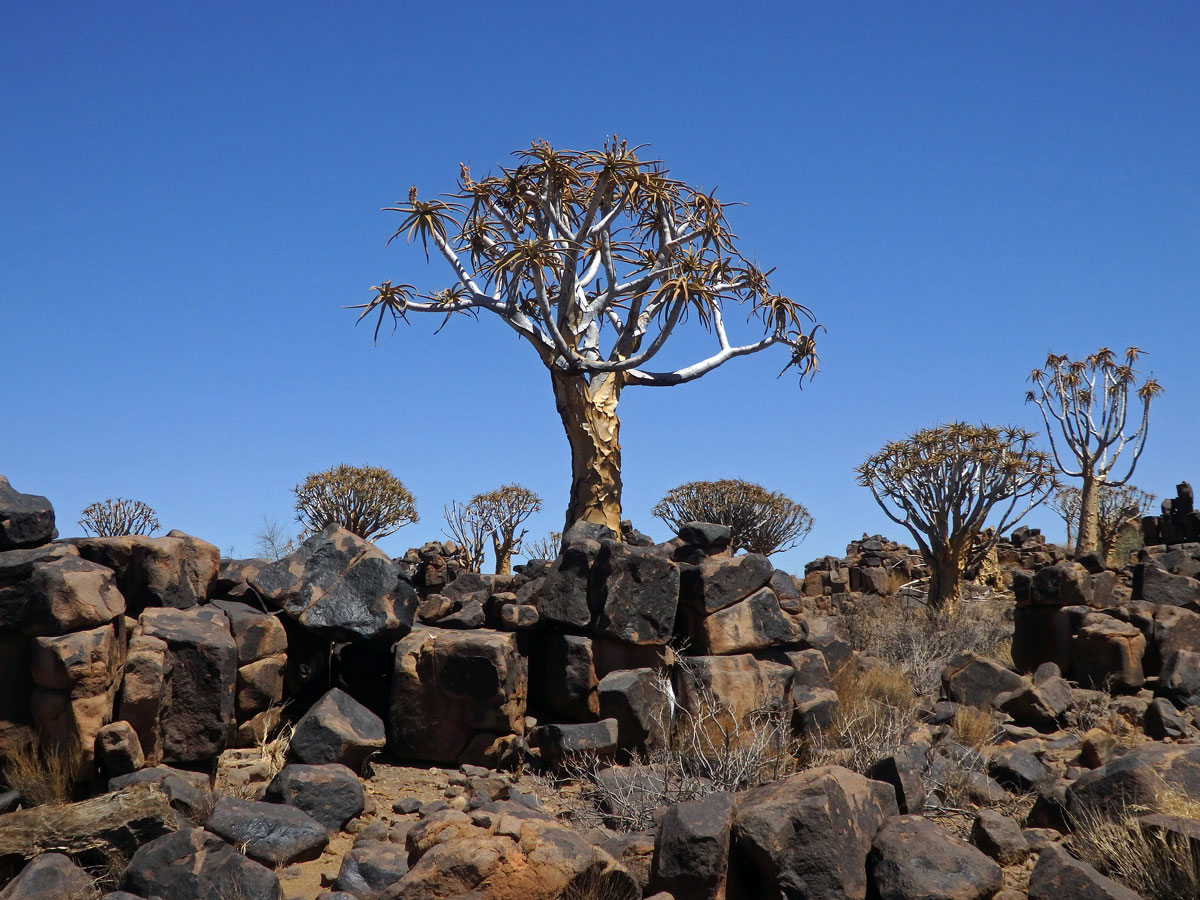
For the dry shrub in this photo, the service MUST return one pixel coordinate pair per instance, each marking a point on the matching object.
(710, 749)
(42, 773)
(877, 709)
(1150, 861)
(234, 779)
(918, 641)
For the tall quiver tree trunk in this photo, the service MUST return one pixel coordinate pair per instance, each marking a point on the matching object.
(945, 578)
(1088, 539)
(589, 416)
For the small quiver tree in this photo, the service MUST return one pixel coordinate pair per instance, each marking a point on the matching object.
(1119, 507)
(496, 514)
(760, 521)
(118, 516)
(942, 483)
(594, 258)
(1088, 401)
(367, 500)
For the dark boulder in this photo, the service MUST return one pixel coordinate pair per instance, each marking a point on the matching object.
(272, 833)
(56, 593)
(976, 680)
(717, 583)
(634, 698)
(51, 876)
(341, 586)
(912, 858)
(26, 520)
(369, 868)
(1059, 876)
(806, 836)
(332, 794)
(999, 837)
(633, 593)
(338, 729)
(196, 716)
(197, 865)
(691, 853)
(563, 673)
(176, 571)
(454, 693)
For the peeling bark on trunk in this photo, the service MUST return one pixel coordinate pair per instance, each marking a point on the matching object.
(1089, 516)
(589, 416)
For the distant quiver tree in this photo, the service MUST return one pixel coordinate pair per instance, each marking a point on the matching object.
(1119, 506)
(367, 500)
(594, 258)
(942, 483)
(1088, 401)
(760, 521)
(118, 516)
(497, 515)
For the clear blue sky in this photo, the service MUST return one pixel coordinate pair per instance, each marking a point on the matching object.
(190, 192)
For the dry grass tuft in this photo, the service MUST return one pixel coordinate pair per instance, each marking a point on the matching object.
(876, 712)
(1150, 861)
(42, 774)
(975, 727)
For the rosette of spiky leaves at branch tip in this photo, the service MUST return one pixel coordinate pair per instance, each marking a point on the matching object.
(942, 483)
(594, 257)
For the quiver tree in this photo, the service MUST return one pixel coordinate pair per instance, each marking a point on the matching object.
(760, 521)
(496, 514)
(942, 483)
(594, 258)
(1118, 506)
(367, 500)
(1088, 402)
(118, 516)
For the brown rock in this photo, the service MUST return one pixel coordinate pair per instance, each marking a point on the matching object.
(60, 595)
(195, 718)
(806, 836)
(142, 691)
(260, 685)
(455, 692)
(118, 750)
(176, 571)
(1107, 653)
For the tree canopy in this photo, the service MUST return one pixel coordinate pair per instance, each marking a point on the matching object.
(760, 521)
(942, 483)
(594, 258)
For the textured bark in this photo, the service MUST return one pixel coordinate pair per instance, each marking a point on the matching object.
(945, 579)
(589, 416)
(1089, 515)
(119, 823)
(503, 551)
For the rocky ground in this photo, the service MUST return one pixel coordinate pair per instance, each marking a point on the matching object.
(628, 720)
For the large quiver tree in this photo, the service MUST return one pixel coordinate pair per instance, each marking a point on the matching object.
(942, 483)
(1088, 403)
(594, 258)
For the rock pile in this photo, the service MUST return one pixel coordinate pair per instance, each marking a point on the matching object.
(152, 660)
